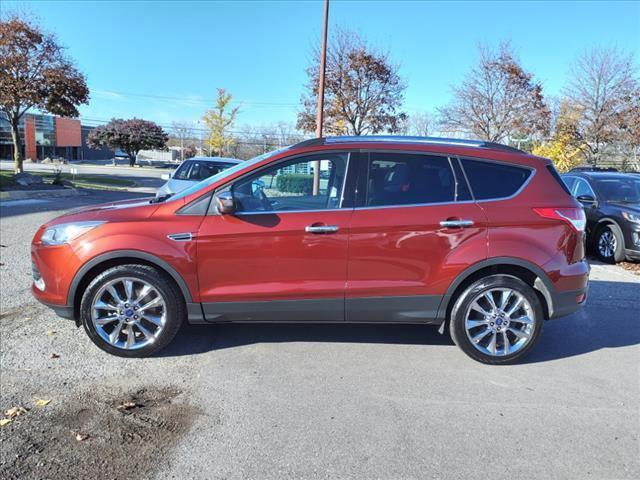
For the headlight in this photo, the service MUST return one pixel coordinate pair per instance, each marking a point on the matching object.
(631, 217)
(66, 232)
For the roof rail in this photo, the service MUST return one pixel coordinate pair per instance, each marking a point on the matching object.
(407, 139)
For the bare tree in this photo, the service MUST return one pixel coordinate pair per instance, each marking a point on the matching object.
(363, 89)
(421, 124)
(498, 100)
(601, 89)
(183, 132)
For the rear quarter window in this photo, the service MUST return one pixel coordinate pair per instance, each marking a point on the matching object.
(490, 180)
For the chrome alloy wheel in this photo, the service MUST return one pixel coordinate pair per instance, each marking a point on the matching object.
(499, 322)
(607, 244)
(128, 313)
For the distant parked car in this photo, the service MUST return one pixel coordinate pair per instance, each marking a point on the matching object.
(193, 171)
(612, 205)
(120, 156)
(589, 168)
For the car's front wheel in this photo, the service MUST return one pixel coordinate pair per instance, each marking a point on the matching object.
(497, 319)
(132, 310)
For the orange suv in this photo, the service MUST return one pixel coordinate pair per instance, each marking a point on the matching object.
(476, 237)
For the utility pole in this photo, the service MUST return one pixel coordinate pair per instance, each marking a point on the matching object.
(320, 111)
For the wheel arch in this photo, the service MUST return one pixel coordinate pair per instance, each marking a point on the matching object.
(526, 271)
(603, 222)
(99, 264)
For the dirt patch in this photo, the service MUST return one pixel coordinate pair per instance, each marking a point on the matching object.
(94, 436)
(19, 313)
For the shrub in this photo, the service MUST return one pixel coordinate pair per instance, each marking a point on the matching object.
(295, 183)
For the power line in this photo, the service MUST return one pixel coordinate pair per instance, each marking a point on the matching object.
(206, 101)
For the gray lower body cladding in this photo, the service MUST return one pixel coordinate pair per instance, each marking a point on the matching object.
(406, 309)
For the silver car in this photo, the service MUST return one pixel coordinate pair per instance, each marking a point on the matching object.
(193, 171)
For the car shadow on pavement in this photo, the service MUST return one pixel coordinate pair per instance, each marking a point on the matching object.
(609, 320)
(203, 338)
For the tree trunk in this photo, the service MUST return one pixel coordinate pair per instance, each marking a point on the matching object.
(15, 136)
(132, 158)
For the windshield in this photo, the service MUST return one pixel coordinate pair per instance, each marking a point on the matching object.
(197, 170)
(223, 174)
(623, 190)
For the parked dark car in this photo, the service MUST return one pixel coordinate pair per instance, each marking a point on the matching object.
(612, 205)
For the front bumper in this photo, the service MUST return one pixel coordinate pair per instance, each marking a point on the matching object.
(63, 311)
(53, 268)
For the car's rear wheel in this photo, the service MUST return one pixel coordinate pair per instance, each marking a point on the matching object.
(132, 310)
(497, 319)
(610, 244)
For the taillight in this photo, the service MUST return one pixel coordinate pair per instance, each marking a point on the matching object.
(575, 217)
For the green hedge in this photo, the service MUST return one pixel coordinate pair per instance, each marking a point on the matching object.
(295, 183)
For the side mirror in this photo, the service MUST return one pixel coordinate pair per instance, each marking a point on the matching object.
(165, 176)
(225, 203)
(586, 199)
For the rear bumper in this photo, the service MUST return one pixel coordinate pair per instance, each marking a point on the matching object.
(565, 287)
(566, 303)
(632, 254)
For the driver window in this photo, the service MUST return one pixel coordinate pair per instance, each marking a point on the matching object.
(288, 186)
(582, 188)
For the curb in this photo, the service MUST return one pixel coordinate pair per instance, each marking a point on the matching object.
(52, 193)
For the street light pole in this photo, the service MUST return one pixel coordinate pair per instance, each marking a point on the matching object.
(320, 110)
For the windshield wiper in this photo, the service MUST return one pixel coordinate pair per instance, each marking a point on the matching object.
(161, 198)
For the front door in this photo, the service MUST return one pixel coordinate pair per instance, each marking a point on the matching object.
(283, 255)
(414, 229)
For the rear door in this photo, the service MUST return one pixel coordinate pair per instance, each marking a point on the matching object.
(415, 227)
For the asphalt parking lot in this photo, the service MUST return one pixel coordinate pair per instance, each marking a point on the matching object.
(302, 401)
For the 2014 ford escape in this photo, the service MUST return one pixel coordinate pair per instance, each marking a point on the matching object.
(476, 237)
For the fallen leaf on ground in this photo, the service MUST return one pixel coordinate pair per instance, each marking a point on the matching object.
(51, 332)
(81, 436)
(54, 355)
(127, 406)
(41, 402)
(4, 421)
(15, 411)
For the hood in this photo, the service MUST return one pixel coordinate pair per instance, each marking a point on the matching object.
(123, 210)
(631, 207)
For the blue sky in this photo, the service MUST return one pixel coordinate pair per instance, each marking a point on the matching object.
(164, 60)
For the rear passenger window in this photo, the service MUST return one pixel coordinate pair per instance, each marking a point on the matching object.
(405, 179)
(494, 180)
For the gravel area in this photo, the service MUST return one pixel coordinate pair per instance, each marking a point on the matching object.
(313, 401)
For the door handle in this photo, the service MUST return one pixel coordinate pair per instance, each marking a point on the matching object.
(321, 228)
(456, 223)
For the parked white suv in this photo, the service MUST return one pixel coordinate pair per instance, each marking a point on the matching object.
(193, 171)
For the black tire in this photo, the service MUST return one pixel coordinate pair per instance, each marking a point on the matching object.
(463, 304)
(164, 285)
(607, 232)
